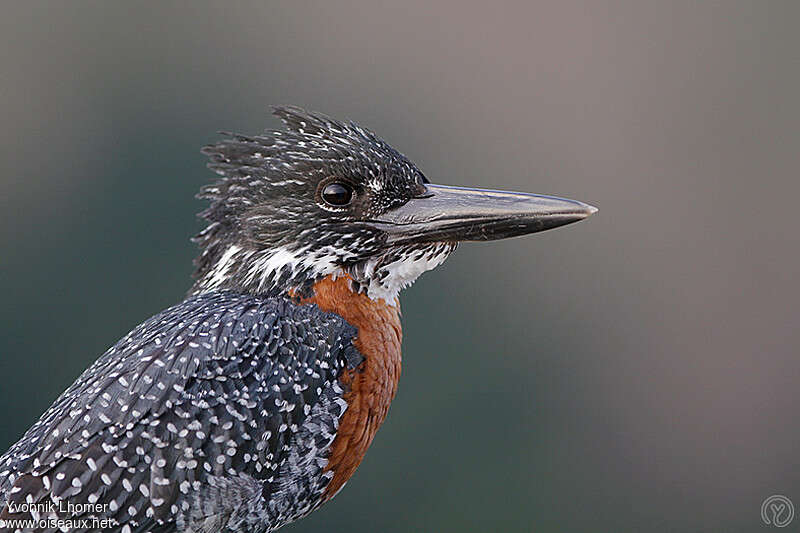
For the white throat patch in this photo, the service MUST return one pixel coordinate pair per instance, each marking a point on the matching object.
(384, 279)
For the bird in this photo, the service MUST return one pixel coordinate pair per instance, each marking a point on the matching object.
(251, 402)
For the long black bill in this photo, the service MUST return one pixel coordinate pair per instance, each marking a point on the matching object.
(461, 214)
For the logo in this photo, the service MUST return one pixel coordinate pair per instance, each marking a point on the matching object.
(777, 510)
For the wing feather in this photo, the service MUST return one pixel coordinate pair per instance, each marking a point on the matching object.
(219, 410)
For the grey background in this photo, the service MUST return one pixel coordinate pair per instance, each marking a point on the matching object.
(635, 372)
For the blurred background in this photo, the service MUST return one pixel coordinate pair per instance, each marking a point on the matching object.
(635, 372)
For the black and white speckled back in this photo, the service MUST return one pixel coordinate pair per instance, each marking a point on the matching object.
(214, 415)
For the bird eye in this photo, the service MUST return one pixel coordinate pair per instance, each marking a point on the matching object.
(338, 194)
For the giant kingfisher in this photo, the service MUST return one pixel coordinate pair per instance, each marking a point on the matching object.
(250, 403)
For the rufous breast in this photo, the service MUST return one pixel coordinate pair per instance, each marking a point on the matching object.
(371, 387)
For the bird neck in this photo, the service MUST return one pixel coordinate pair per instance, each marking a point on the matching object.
(370, 387)
(283, 269)
(265, 272)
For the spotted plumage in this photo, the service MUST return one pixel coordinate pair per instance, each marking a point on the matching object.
(252, 402)
(210, 414)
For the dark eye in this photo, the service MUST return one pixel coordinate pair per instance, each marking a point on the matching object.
(337, 194)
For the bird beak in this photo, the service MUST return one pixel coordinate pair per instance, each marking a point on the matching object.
(450, 214)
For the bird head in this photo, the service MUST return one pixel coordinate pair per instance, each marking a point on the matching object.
(324, 197)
